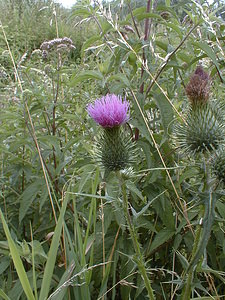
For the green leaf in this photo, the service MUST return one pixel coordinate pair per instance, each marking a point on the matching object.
(49, 268)
(183, 260)
(166, 111)
(137, 11)
(3, 295)
(85, 75)
(121, 78)
(83, 12)
(163, 236)
(221, 208)
(28, 196)
(144, 209)
(145, 15)
(132, 187)
(86, 172)
(162, 45)
(90, 42)
(175, 28)
(207, 50)
(17, 261)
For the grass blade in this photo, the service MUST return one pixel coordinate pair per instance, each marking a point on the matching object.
(49, 268)
(17, 261)
(3, 295)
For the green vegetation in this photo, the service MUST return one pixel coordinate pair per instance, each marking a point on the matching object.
(68, 228)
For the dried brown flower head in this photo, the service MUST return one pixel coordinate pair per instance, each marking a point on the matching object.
(198, 87)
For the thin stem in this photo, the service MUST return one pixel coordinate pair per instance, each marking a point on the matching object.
(147, 27)
(103, 239)
(140, 260)
(135, 25)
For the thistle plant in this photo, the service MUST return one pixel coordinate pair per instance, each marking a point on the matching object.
(200, 136)
(115, 152)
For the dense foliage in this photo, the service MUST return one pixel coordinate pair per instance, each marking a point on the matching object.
(65, 232)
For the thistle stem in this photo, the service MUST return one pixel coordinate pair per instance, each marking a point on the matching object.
(133, 234)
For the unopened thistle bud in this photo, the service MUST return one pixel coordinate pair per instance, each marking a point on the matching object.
(198, 87)
(114, 149)
(203, 130)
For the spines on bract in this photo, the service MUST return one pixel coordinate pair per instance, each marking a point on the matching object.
(115, 149)
(204, 129)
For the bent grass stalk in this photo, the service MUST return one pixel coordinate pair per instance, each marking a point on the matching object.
(140, 259)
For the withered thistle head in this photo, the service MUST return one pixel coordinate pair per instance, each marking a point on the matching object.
(198, 87)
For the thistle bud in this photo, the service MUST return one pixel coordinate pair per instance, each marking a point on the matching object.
(203, 130)
(114, 150)
(198, 87)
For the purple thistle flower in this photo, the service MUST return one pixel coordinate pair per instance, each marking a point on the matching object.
(109, 111)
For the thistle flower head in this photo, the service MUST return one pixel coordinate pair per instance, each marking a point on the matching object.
(198, 87)
(109, 111)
